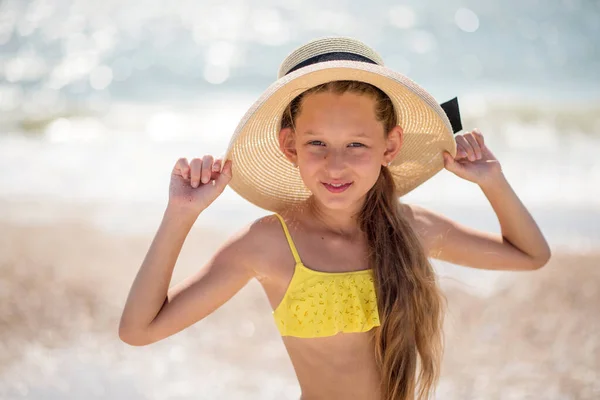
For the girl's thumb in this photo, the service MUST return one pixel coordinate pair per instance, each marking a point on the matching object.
(225, 175)
(449, 162)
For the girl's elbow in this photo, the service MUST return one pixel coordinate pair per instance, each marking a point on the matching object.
(133, 337)
(542, 260)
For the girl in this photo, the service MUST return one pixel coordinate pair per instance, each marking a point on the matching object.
(330, 147)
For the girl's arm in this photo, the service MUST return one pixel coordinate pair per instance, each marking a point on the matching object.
(153, 311)
(520, 246)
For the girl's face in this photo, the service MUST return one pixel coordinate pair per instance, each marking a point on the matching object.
(339, 147)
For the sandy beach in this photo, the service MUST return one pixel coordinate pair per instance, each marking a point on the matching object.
(62, 287)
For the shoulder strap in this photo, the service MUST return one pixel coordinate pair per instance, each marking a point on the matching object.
(289, 239)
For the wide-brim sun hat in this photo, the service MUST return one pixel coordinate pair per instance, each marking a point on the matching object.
(266, 178)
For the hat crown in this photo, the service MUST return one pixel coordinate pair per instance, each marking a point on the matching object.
(324, 46)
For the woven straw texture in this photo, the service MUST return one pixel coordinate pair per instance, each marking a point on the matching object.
(262, 174)
(324, 46)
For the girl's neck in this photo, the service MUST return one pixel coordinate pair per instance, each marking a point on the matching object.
(342, 221)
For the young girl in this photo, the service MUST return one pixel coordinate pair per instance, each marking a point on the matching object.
(329, 148)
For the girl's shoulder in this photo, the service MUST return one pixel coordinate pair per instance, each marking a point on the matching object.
(265, 230)
(430, 226)
(265, 245)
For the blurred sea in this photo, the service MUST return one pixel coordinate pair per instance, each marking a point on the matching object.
(99, 99)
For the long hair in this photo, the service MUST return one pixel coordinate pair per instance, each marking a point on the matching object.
(409, 343)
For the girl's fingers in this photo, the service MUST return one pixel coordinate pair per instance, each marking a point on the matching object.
(227, 169)
(199, 170)
(450, 163)
(474, 145)
(479, 137)
(196, 170)
(225, 176)
(207, 163)
(460, 139)
(182, 168)
(216, 167)
(460, 151)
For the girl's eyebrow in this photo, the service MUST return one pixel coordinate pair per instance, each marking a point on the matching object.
(359, 134)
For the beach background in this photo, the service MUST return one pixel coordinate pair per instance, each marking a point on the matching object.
(99, 99)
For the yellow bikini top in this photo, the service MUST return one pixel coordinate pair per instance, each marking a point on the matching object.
(318, 304)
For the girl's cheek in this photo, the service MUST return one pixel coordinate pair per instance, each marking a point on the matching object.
(313, 156)
(316, 151)
(361, 158)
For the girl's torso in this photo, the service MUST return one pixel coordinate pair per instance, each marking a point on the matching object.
(328, 365)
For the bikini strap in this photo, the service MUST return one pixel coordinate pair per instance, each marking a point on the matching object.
(289, 239)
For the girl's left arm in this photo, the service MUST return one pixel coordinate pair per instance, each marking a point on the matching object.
(520, 246)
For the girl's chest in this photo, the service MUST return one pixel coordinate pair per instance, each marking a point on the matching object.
(334, 293)
(332, 255)
(325, 259)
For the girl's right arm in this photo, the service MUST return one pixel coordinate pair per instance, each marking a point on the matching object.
(153, 311)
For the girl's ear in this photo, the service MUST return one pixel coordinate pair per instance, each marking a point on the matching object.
(287, 144)
(393, 144)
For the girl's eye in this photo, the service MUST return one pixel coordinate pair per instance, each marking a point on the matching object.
(320, 143)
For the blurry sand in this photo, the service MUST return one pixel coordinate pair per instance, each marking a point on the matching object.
(62, 288)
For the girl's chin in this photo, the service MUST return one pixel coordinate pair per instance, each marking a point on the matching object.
(336, 201)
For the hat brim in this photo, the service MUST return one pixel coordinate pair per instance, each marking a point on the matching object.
(263, 175)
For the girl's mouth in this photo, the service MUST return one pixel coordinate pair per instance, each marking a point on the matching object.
(336, 187)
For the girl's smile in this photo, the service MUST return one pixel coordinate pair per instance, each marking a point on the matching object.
(337, 187)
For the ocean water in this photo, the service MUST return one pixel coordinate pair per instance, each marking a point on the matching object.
(99, 99)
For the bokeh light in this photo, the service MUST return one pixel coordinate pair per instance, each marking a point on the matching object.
(466, 20)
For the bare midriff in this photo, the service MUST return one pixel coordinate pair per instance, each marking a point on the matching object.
(335, 367)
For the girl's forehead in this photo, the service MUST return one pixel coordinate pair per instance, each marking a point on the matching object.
(339, 115)
(330, 97)
(329, 106)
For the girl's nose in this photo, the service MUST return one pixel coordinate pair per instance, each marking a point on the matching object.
(334, 160)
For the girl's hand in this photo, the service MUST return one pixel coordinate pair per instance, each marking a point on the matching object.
(196, 185)
(474, 161)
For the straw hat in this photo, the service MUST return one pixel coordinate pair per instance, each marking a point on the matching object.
(262, 174)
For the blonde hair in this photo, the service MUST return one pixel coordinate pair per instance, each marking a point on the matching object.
(410, 302)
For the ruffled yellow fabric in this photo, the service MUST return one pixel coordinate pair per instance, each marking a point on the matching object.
(319, 304)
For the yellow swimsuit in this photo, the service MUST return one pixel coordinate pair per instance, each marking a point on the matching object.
(318, 304)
